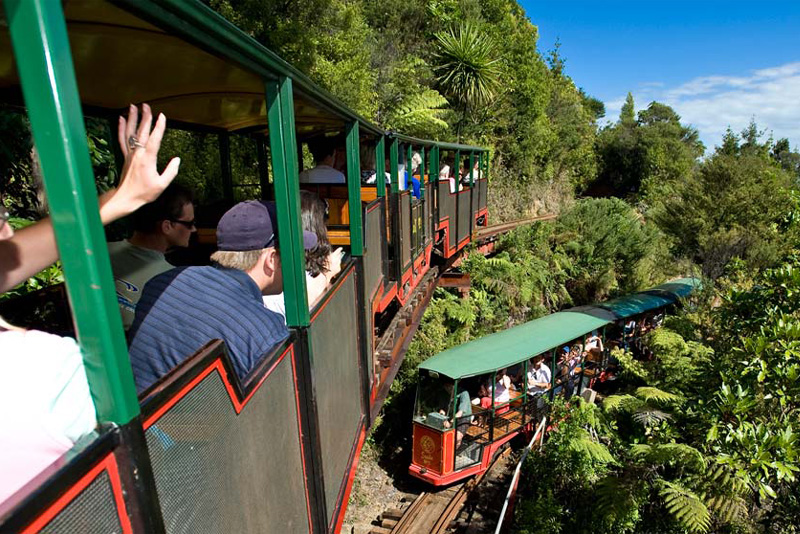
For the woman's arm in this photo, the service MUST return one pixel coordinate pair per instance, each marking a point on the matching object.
(34, 248)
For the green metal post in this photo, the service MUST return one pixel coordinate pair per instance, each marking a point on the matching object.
(380, 166)
(553, 375)
(409, 154)
(422, 173)
(283, 149)
(354, 190)
(471, 167)
(263, 168)
(393, 162)
(44, 62)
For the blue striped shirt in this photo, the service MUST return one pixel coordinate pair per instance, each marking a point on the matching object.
(183, 309)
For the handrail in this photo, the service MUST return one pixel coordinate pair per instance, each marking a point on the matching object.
(515, 480)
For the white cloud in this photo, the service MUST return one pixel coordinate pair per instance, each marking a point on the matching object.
(771, 96)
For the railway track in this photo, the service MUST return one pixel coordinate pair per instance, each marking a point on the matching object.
(435, 512)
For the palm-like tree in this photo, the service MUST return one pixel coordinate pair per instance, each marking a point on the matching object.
(467, 69)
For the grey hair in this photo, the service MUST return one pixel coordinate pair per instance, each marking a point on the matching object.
(241, 260)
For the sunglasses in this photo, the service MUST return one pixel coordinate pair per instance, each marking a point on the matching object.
(187, 224)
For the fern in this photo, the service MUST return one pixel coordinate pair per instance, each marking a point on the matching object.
(647, 416)
(651, 394)
(670, 453)
(420, 112)
(685, 506)
(615, 496)
(583, 443)
(621, 403)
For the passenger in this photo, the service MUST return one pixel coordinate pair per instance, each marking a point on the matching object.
(183, 309)
(463, 411)
(368, 172)
(463, 415)
(322, 264)
(159, 226)
(327, 156)
(484, 398)
(58, 410)
(594, 341)
(539, 377)
(444, 175)
(416, 163)
(629, 332)
(563, 381)
(476, 171)
(502, 392)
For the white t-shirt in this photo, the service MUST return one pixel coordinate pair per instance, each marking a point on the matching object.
(540, 375)
(322, 174)
(501, 393)
(46, 404)
(314, 285)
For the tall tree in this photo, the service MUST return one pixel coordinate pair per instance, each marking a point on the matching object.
(467, 69)
(734, 206)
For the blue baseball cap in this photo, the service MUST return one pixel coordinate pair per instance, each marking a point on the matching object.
(252, 225)
(566, 348)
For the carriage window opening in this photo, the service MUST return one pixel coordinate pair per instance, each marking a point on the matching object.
(201, 171)
(434, 400)
(245, 170)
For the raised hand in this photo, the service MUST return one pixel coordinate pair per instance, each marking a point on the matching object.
(141, 182)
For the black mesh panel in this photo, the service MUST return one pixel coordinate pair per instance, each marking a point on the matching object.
(405, 228)
(219, 472)
(334, 341)
(447, 208)
(373, 259)
(464, 214)
(92, 511)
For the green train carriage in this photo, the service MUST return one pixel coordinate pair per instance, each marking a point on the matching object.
(447, 447)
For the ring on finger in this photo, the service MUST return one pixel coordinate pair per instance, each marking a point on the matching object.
(133, 143)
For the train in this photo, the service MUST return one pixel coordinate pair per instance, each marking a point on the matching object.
(202, 450)
(448, 447)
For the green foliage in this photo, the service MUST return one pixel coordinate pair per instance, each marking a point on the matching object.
(645, 152)
(732, 207)
(612, 249)
(467, 68)
(688, 509)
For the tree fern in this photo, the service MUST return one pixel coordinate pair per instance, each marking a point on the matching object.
(420, 112)
(648, 415)
(670, 453)
(615, 496)
(685, 506)
(584, 443)
(621, 403)
(651, 394)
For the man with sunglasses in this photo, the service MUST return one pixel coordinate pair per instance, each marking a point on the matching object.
(162, 225)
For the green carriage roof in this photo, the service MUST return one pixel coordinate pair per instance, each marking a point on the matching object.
(657, 297)
(512, 346)
(509, 347)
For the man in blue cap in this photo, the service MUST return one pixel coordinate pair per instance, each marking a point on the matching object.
(183, 309)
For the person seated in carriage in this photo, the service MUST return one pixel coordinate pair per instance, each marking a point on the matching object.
(329, 159)
(183, 309)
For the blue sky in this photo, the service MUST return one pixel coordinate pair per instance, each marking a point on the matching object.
(718, 63)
